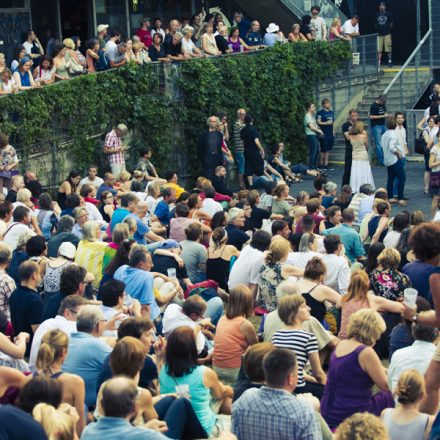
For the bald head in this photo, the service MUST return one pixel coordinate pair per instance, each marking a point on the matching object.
(241, 114)
(119, 397)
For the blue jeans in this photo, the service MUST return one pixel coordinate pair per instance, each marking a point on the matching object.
(313, 151)
(240, 162)
(396, 171)
(153, 246)
(377, 132)
(259, 181)
(214, 309)
(396, 182)
(299, 168)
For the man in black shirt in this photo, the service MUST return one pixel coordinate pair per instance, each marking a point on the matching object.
(378, 115)
(435, 95)
(17, 182)
(383, 22)
(173, 27)
(173, 50)
(210, 147)
(346, 129)
(219, 181)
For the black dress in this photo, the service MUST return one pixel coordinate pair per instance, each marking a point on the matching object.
(254, 163)
(317, 308)
(217, 269)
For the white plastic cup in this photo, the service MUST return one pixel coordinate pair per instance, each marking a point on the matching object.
(171, 273)
(183, 391)
(410, 296)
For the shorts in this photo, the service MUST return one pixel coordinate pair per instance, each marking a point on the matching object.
(384, 43)
(326, 143)
(240, 162)
(436, 356)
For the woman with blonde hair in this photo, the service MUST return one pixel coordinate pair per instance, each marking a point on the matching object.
(209, 44)
(359, 297)
(219, 258)
(90, 251)
(273, 271)
(360, 168)
(406, 422)
(363, 426)
(354, 369)
(386, 281)
(124, 181)
(234, 334)
(336, 32)
(59, 424)
(296, 36)
(74, 64)
(280, 205)
(294, 311)
(50, 358)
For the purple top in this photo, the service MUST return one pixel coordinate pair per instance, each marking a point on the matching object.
(349, 390)
(234, 45)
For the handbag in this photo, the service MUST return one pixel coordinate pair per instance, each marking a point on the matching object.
(420, 145)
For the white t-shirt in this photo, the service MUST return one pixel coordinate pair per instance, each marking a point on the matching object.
(111, 49)
(94, 214)
(97, 182)
(14, 232)
(210, 206)
(338, 272)
(28, 47)
(59, 322)
(391, 239)
(317, 24)
(435, 150)
(246, 269)
(348, 28)
(173, 318)
(300, 259)
(188, 46)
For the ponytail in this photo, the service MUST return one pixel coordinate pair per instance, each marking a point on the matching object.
(53, 344)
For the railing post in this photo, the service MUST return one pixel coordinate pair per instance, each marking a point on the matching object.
(53, 156)
(364, 58)
(401, 92)
(431, 48)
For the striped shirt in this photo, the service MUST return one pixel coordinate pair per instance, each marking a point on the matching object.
(301, 342)
(237, 140)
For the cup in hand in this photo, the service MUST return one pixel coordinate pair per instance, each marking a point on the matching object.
(410, 296)
(171, 273)
(183, 391)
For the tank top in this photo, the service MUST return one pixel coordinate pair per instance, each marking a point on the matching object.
(372, 227)
(359, 150)
(229, 343)
(406, 431)
(235, 45)
(348, 308)
(200, 395)
(105, 216)
(52, 376)
(317, 308)
(52, 277)
(90, 64)
(217, 269)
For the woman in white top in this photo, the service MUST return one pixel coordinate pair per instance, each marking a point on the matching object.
(434, 179)
(189, 49)
(7, 83)
(209, 44)
(45, 72)
(307, 249)
(360, 168)
(430, 135)
(406, 422)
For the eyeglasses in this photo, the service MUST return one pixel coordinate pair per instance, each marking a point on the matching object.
(109, 197)
(73, 311)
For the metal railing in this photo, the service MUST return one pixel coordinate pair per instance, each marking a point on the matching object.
(413, 117)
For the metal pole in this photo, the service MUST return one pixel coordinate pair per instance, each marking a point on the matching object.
(127, 18)
(431, 49)
(419, 31)
(95, 24)
(401, 93)
(364, 56)
(58, 14)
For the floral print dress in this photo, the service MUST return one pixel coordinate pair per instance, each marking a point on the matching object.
(270, 277)
(389, 283)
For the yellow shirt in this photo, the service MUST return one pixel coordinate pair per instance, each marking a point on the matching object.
(90, 255)
(179, 190)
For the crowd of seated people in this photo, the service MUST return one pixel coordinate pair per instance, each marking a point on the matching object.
(205, 35)
(137, 304)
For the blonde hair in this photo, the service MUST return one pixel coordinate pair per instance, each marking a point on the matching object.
(335, 21)
(120, 233)
(363, 426)
(240, 302)
(289, 306)
(154, 189)
(68, 42)
(366, 326)
(57, 423)
(89, 230)
(389, 258)
(278, 251)
(357, 128)
(410, 387)
(124, 176)
(53, 344)
(23, 195)
(358, 287)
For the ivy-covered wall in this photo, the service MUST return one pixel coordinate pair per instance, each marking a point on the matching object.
(274, 85)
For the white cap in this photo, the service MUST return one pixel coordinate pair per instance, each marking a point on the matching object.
(101, 27)
(67, 250)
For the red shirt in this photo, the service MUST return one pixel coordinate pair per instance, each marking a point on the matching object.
(145, 37)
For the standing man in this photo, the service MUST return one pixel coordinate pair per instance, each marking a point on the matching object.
(173, 27)
(325, 119)
(346, 130)
(383, 22)
(394, 153)
(242, 23)
(210, 147)
(239, 145)
(144, 33)
(378, 115)
(253, 38)
(114, 149)
(111, 46)
(435, 95)
(401, 133)
(351, 27)
(318, 24)
(101, 34)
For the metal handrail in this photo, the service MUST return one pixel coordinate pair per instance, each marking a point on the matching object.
(297, 7)
(408, 61)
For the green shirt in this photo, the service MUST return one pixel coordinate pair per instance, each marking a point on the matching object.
(350, 239)
(309, 119)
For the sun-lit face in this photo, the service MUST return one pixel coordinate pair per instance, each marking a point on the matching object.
(239, 220)
(303, 313)
(147, 338)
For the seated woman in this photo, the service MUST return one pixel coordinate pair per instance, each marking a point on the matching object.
(234, 334)
(90, 251)
(307, 249)
(54, 267)
(23, 77)
(293, 311)
(45, 73)
(119, 234)
(50, 358)
(406, 422)
(296, 34)
(107, 207)
(313, 291)
(182, 374)
(70, 185)
(358, 297)
(378, 225)
(354, 369)
(196, 212)
(280, 205)
(219, 258)
(333, 217)
(273, 271)
(329, 198)
(47, 215)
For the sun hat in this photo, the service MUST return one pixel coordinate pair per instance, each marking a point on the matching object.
(272, 28)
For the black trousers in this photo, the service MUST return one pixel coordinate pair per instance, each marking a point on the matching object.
(347, 166)
(210, 162)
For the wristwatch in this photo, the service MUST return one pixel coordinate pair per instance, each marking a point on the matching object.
(415, 318)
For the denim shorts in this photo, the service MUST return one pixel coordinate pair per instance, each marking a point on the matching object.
(240, 162)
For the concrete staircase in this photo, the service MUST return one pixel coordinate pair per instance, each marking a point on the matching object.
(411, 93)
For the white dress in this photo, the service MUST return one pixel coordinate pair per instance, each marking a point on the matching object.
(360, 166)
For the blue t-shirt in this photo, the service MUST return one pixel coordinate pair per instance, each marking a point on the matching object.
(325, 116)
(141, 230)
(139, 285)
(419, 274)
(253, 39)
(162, 212)
(118, 217)
(16, 424)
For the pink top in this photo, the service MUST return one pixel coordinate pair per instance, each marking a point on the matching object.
(229, 343)
(178, 226)
(348, 308)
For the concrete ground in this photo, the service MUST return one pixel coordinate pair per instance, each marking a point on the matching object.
(413, 186)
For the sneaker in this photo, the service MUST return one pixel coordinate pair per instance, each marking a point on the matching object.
(393, 201)
(402, 203)
(329, 168)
